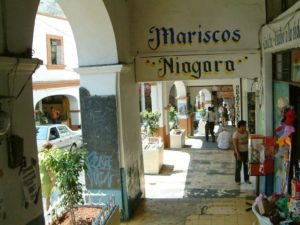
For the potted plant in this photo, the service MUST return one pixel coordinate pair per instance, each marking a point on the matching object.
(172, 117)
(153, 148)
(151, 120)
(65, 167)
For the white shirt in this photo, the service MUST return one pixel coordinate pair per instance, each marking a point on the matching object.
(224, 139)
(211, 116)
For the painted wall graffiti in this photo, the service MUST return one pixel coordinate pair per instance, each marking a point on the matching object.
(100, 170)
(237, 103)
(99, 133)
(133, 177)
(30, 184)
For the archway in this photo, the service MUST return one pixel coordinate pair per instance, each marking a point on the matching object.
(98, 58)
(67, 105)
(204, 98)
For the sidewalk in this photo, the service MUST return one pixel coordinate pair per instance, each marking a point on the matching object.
(196, 187)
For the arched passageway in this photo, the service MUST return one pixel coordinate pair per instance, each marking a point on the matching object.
(104, 33)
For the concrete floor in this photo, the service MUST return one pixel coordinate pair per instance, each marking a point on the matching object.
(196, 187)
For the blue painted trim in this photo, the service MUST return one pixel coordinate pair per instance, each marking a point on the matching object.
(125, 214)
(37, 221)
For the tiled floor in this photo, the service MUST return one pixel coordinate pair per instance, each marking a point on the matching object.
(195, 187)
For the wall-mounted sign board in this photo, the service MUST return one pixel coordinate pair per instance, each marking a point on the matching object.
(197, 66)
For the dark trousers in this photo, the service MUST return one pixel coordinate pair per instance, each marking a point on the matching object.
(238, 167)
(209, 127)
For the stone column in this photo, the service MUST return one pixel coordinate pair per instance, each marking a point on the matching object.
(111, 128)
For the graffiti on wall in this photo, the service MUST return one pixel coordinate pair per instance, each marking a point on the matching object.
(237, 103)
(100, 170)
(133, 177)
(30, 183)
(99, 133)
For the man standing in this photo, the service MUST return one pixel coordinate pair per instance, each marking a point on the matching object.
(210, 123)
(240, 143)
(54, 115)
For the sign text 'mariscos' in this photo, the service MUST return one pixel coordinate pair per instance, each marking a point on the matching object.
(168, 36)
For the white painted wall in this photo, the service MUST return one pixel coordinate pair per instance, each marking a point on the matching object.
(99, 80)
(46, 25)
(93, 31)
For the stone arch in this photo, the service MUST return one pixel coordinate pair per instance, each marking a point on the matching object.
(72, 109)
(66, 92)
(101, 33)
(205, 98)
(180, 89)
(93, 32)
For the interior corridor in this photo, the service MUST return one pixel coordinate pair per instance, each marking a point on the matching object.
(196, 187)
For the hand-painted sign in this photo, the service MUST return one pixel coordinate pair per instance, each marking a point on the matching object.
(281, 34)
(169, 36)
(187, 67)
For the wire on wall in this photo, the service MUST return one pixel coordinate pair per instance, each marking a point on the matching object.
(12, 81)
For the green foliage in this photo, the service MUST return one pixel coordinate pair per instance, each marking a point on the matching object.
(202, 112)
(66, 167)
(173, 116)
(41, 117)
(151, 119)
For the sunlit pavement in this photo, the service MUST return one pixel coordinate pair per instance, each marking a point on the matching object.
(195, 186)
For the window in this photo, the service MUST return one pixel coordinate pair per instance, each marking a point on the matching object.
(63, 131)
(282, 66)
(296, 66)
(53, 134)
(55, 52)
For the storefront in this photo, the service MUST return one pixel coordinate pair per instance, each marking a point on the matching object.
(281, 75)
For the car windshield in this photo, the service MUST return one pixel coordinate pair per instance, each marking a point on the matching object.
(41, 133)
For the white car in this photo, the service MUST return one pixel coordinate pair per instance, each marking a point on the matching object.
(58, 135)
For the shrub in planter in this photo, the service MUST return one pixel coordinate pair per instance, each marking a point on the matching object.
(151, 119)
(66, 167)
(173, 117)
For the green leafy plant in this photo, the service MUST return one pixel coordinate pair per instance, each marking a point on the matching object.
(66, 167)
(151, 119)
(173, 116)
(41, 117)
(202, 112)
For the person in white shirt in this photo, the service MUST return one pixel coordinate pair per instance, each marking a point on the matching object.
(224, 139)
(210, 124)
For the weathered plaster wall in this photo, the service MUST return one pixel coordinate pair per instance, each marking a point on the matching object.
(131, 150)
(12, 185)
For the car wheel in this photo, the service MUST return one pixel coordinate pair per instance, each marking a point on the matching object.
(73, 146)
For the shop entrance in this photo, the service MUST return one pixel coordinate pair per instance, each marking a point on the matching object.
(191, 167)
(295, 154)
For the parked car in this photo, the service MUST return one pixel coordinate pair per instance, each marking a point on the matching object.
(58, 135)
